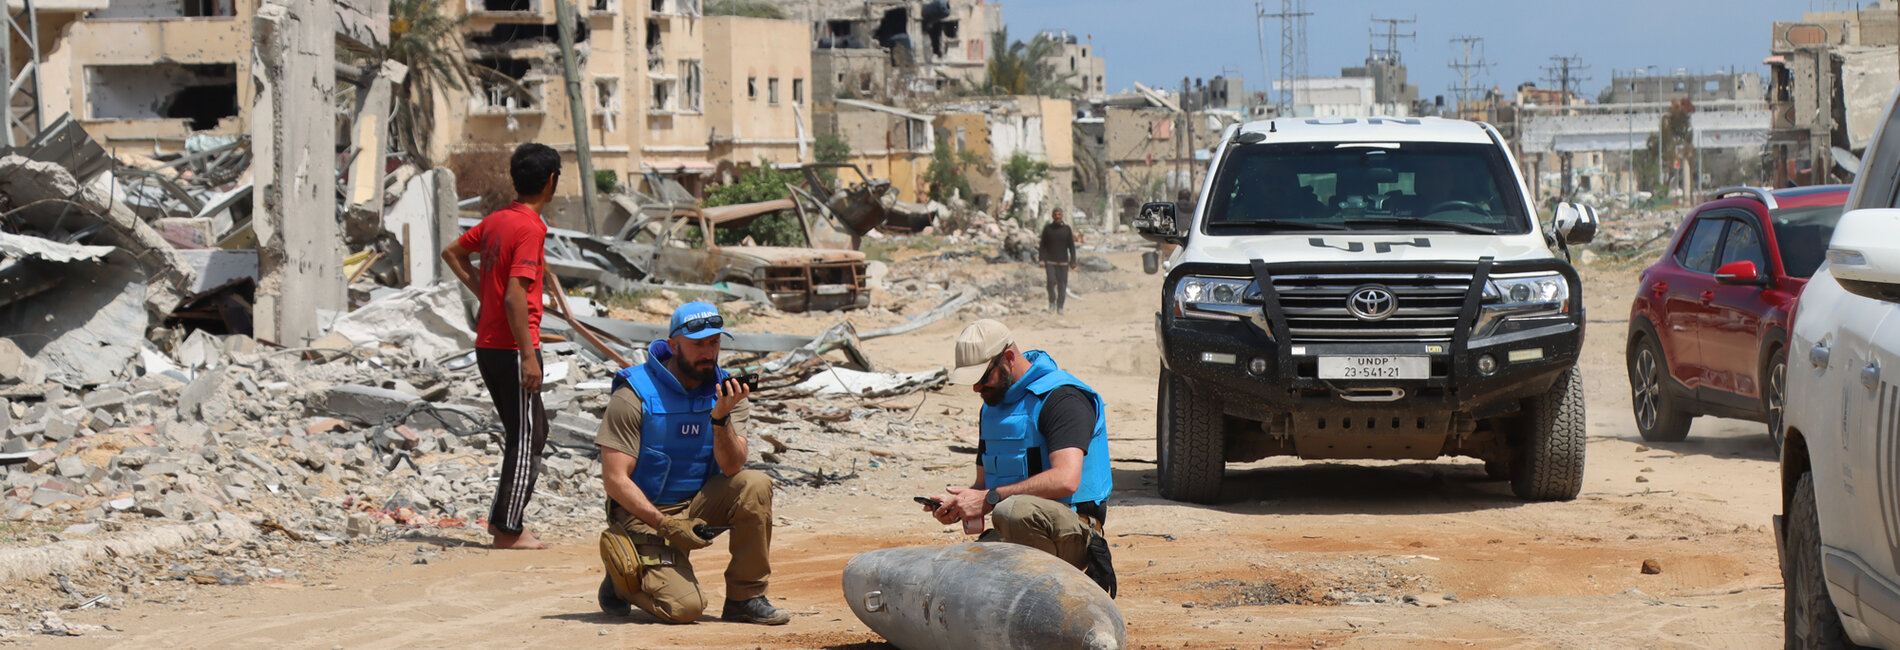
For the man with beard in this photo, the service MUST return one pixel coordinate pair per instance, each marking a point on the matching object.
(671, 423)
(1042, 454)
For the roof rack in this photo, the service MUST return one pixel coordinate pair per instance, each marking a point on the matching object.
(1758, 193)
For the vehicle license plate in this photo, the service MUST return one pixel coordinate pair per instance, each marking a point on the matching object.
(1383, 367)
(831, 289)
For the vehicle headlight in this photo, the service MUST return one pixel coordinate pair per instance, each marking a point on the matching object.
(1525, 300)
(1215, 298)
(1541, 288)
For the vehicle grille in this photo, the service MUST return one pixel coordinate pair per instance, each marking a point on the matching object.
(1315, 306)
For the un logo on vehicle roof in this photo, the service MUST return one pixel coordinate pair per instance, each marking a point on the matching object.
(1371, 304)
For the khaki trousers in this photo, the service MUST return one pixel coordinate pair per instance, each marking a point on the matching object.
(670, 591)
(1044, 525)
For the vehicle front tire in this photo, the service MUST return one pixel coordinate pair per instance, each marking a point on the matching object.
(1548, 465)
(1658, 419)
(1810, 619)
(1775, 398)
(1188, 443)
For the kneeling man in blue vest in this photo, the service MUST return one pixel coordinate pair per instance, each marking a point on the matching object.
(1042, 473)
(673, 455)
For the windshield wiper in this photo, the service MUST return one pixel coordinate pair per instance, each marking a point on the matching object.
(1422, 223)
(1277, 224)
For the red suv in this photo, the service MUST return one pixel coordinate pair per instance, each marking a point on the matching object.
(1709, 323)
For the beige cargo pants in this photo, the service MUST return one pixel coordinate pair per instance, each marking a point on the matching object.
(668, 589)
(1044, 525)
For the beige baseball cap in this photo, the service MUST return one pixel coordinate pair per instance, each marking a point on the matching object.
(976, 346)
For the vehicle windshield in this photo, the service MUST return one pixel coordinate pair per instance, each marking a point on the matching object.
(1801, 235)
(1366, 186)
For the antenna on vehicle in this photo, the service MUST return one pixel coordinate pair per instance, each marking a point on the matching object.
(1273, 127)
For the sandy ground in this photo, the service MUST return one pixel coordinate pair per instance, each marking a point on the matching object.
(1301, 555)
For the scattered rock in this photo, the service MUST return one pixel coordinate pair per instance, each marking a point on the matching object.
(1651, 567)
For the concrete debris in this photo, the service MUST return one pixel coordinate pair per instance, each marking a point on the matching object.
(426, 320)
(22, 247)
(843, 381)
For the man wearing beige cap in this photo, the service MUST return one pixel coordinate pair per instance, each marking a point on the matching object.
(1042, 454)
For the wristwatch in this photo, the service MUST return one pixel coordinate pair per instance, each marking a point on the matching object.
(993, 498)
(720, 422)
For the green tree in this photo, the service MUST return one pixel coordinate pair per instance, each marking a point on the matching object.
(760, 183)
(745, 8)
(945, 175)
(1018, 68)
(1671, 148)
(429, 42)
(606, 181)
(1022, 170)
(831, 148)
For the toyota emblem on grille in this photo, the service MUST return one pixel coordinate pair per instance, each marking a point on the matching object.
(1371, 303)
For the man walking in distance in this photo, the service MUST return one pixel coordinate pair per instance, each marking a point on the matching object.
(508, 330)
(1042, 454)
(672, 457)
(1058, 257)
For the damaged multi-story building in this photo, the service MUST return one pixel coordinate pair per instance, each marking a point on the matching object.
(897, 52)
(1076, 61)
(671, 92)
(142, 75)
(1830, 75)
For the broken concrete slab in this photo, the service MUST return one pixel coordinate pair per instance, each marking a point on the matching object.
(27, 182)
(842, 381)
(367, 403)
(69, 467)
(90, 327)
(426, 320)
(199, 390)
(44, 497)
(17, 367)
(25, 246)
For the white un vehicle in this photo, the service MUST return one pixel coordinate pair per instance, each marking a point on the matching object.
(1840, 456)
(1369, 288)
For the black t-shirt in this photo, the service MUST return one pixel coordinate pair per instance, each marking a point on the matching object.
(1058, 243)
(1067, 422)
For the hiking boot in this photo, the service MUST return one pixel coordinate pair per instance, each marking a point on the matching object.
(611, 602)
(756, 610)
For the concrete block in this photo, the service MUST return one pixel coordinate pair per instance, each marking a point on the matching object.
(43, 497)
(60, 427)
(69, 467)
(198, 391)
(368, 403)
(18, 368)
(40, 460)
(110, 399)
(14, 445)
(80, 530)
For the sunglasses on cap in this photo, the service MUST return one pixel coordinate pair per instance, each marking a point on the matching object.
(698, 325)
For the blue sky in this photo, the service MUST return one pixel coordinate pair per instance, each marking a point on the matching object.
(1160, 41)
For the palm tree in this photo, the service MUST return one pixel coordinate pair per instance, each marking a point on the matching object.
(1018, 68)
(424, 38)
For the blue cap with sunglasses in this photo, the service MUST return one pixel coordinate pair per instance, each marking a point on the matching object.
(697, 320)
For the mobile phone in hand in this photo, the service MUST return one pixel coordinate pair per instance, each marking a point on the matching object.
(751, 381)
(933, 503)
(707, 533)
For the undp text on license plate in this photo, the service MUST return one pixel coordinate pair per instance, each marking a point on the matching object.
(1385, 367)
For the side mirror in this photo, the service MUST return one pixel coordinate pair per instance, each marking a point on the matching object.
(1739, 272)
(1865, 253)
(1575, 223)
(1156, 223)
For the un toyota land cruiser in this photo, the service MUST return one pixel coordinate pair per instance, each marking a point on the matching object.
(1369, 288)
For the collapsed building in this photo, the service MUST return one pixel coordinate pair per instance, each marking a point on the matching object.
(1830, 75)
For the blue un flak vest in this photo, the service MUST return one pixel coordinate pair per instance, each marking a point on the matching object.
(1009, 431)
(676, 436)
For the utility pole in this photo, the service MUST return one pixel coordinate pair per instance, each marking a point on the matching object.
(1292, 17)
(1391, 50)
(26, 85)
(570, 68)
(1467, 69)
(1564, 71)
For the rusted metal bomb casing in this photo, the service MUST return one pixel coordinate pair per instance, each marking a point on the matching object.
(979, 596)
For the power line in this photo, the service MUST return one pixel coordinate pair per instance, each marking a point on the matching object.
(1468, 68)
(1563, 72)
(1391, 50)
(1292, 18)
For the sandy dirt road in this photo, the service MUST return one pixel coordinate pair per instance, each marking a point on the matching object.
(1301, 555)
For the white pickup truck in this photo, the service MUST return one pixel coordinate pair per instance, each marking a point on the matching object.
(1371, 288)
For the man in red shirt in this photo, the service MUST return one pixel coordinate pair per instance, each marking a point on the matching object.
(508, 330)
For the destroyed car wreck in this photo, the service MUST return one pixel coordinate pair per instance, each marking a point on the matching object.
(684, 247)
